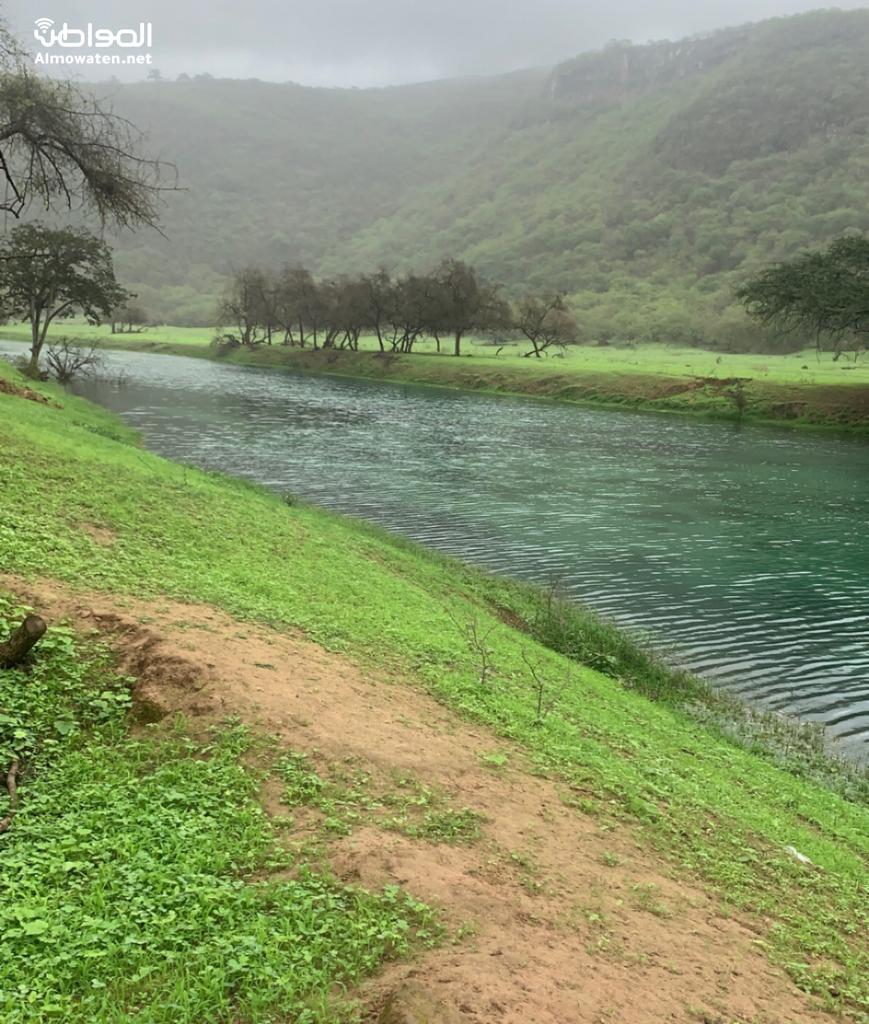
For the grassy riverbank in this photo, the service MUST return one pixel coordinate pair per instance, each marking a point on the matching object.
(798, 389)
(81, 504)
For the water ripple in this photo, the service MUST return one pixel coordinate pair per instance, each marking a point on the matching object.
(743, 552)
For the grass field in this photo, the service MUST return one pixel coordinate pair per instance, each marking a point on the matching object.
(803, 389)
(714, 810)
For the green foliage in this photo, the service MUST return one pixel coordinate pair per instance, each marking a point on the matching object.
(447, 826)
(817, 294)
(303, 784)
(47, 702)
(345, 800)
(49, 273)
(125, 898)
(127, 874)
(644, 182)
(646, 763)
(238, 211)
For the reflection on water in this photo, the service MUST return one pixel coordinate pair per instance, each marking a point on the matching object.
(743, 551)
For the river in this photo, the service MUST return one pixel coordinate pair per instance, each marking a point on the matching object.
(742, 551)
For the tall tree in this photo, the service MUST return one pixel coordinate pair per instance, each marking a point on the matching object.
(129, 318)
(346, 312)
(61, 148)
(244, 306)
(378, 292)
(297, 304)
(52, 273)
(412, 312)
(465, 302)
(817, 294)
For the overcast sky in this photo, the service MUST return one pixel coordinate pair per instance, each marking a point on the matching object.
(384, 42)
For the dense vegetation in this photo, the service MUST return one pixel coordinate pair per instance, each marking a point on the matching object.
(646, 182)
(644, 763)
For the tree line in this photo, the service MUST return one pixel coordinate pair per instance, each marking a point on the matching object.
(291, 307)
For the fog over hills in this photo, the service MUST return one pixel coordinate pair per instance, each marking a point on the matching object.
(644, 181)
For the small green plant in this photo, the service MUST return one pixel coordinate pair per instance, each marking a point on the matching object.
(497, 760)
(303, 784)
(60, 692)
(447, 826)
(528, 872)
(545, 695)
(648, 897)
(422, 813)
(478, 642)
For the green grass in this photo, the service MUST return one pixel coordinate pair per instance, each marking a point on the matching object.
(135, 877)
(807, 366)
(102, 333)
(347, 798)
(805, 388)
(716, 810)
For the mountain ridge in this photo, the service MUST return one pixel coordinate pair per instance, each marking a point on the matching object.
(644, 181)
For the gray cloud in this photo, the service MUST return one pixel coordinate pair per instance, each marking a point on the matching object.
(384, 42)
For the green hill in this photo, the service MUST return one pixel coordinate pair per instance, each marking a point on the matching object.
(642, 180)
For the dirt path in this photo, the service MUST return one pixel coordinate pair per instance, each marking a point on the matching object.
(565, 919)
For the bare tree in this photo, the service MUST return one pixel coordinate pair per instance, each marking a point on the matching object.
(345, 302)
(243, 306)
(477, 639)
(61, 148)
(378, 292)
(545, 321)
(297, 305)
(545, 695)
(68, 359)
(410, 313)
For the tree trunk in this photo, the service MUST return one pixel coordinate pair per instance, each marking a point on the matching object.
(458, 351)
(12, 788)
(35, 349)
(16, 648)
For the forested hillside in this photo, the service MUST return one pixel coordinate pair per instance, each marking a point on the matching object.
(645, 181)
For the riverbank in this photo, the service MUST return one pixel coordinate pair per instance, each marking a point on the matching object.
(427, 728)
(799, 389)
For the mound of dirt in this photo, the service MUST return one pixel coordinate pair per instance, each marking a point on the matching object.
(410, 1003)
(19, 391)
